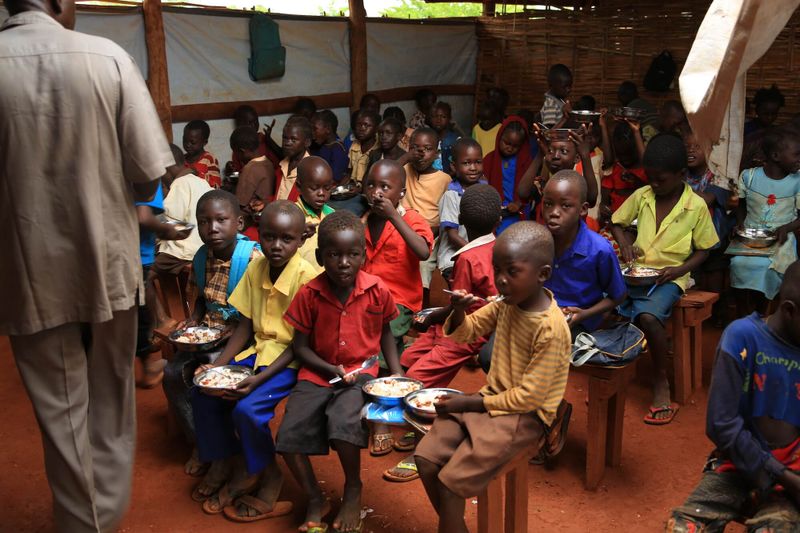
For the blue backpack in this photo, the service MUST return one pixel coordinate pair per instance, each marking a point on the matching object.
(608, 347)
(239, 262)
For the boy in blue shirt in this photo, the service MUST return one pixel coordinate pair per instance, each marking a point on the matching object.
(754, 420)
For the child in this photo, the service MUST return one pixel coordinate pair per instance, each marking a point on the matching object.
(327, 144)
(202, 162)
(296, 141)
(424, 99)
(467, 166)
(754, 420)
(397, 240)
(433, 358)
(342, 318)
(440, 122)
(768, 103)
(553, 112)
(674, 235)
(237, 424)
(315, 181)
(256, 179)
(771, 197)
(505, 167)
(397, 113)
(246, 115)
(586, 280)
(218, 266)
(672, 117)
(485, 131)
(474, 436)
(623, 172)
(390, 131)
(304, 107)
(364, 129)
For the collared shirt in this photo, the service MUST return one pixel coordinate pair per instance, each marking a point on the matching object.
(585, 273)
(395, 263)
(486, 138)
(449, 211)
(359, 160)
(424, 191)
(552, 110)
(288, 179)
(619, 180)
(265, 304)
(256, 181)
(181, 204)
(688, 227)
(530, 359)
(70, 232)
(309, 249)
(342, 334)
(207, 167)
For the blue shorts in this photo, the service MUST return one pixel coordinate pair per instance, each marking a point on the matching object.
(659, 303)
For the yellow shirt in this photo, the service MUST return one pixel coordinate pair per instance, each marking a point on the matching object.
(688, 227)
(486, 138)
(530, 358)
(423, 192)
(287, 182)
(309, 248)
(359, 160)
(265, 304)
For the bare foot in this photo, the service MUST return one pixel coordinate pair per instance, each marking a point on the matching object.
(318, 506)
(240, 484)
(268, 491)
(218, 473)
(349, 517)
(194, 466)
(661, 397)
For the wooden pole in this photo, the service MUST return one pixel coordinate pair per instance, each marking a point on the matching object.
(358, 51)
(157, 75)
(489, 9)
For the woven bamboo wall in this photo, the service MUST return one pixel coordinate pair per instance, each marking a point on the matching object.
(608, 45)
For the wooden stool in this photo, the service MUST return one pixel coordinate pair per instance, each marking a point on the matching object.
(607, 392)
(490, 502)
(687, 319)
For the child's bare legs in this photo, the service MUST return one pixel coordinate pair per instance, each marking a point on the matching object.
(448, 505)
(656, 336)
(349, 515)
(300, 466)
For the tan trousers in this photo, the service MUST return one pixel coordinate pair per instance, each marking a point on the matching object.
(80, 380)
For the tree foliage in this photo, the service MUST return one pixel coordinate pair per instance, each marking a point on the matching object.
(418, 9)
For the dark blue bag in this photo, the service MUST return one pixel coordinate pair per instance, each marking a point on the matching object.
(608, 347)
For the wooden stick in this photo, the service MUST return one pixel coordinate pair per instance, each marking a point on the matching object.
(358, 51)
(157, 75)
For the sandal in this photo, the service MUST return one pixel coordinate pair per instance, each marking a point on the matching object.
(651, 419)
(381, 444)
(406, 465)
(225, 498)
(406, 443)
(280, 508)
(199, 497)
(317, 527)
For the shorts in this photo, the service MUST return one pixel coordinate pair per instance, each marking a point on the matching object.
(427, 267)
(659, 303)
(169, 264)
(472, 448)
(316, 415)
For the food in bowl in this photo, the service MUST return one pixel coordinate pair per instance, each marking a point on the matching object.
(392, 388)
(426, 400)
(197, 335)
(641, 272)
(222, 377)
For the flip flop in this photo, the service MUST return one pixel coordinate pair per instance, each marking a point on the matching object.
(318, 527)
(379, 440)
(410, 443)
(224, 495)
(280, 508)
(553, 445)
(200, 497)
(405, 464)
(358, 529)
(651, 419)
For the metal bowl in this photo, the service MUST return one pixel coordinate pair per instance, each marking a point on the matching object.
(427, 414)
(640, 280)
(346, 191)
(559, 134)
(387, 400)
(757, 237)
(180, 225)
(585, 117)
(632, 113)
(420, 316)
(242, 371)
(199, 346)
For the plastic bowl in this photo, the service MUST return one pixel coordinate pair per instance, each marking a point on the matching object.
(427, 414)
(390, 401)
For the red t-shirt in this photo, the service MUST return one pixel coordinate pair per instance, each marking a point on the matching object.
(340, 334)
(207, 167)
(621, 178)
(395, 263)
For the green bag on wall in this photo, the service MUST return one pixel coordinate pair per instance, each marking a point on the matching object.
(268, 56)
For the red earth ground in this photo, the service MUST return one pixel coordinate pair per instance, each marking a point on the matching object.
(660, 466)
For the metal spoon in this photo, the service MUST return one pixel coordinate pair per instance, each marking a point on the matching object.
(372, 361)
(498, 298)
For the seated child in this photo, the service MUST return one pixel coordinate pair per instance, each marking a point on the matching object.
(315, 181)
(623, 172)
(505, 167)
(341, 318)
(366, 142)
(754, 420)
(219, 264)
(246, 115)
(390, 131)
(433, 358)
(296, 141)
(586, 282)
(327, 144)
(244, 481)
(441, 117)
(424, 99)
(553, 112)
(485, 131)
(202, 162)
(771, 197)
(369, 103)
(674, 234)
(256, 178)
(467, 166)
(474, 436)
(304, 107)
(395, 112)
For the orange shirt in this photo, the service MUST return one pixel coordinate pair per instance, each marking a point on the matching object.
(395, 263)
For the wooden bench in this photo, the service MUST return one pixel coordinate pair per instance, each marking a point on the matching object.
(686, 324)
(493, 512)
(607, 393)
(174, 300)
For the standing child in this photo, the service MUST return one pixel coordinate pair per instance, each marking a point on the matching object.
(296, 141)
(485, 131)
(390, 131)
(555, 109)
(771, 200)
(754, 421)
(342, 317)
(440, 123)
(364, 128)
(256, 179)
(315, 181)
(201, 161)
(327, 144)
(476, 435)
(233, 430)
(674, 234)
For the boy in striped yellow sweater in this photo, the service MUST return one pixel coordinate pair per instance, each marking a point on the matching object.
(476, 435)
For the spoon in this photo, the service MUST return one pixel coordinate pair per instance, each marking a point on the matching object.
(498, 298)
(372, 361)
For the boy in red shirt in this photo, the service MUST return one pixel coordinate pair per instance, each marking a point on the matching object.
(201, 161)
(340, 318)
(623, 171)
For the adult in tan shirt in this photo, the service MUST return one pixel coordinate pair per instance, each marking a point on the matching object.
(71, 268)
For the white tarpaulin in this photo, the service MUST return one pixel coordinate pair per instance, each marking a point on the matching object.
(733, 35)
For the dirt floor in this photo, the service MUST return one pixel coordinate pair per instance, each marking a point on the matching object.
(660, 466)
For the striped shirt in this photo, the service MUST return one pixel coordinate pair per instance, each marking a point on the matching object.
(530, 360)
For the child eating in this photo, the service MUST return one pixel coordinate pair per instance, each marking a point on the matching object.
(315, 181)
(202, 162)
(296, 141)
(327, 144)
(505, 167)
(364, 129)
(341, 318)
(233, 430)
(474, 436)
(674, 235)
